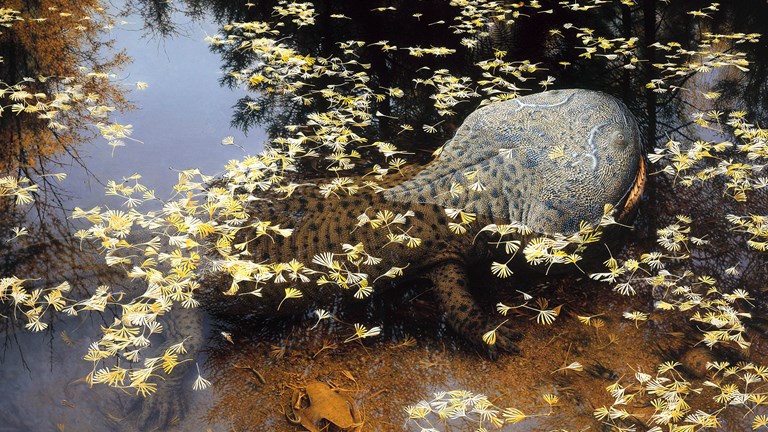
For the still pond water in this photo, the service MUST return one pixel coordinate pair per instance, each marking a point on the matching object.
(261, 370)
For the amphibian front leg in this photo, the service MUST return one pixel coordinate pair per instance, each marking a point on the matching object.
(464, 315)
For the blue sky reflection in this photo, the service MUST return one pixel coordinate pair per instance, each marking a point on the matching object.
(181, 118)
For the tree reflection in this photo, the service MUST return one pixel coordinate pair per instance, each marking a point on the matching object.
(631, 51)
(662, 75)
(54, 51)
(547, 37)
(55, 87)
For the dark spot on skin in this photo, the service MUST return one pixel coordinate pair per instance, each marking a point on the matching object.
(428, 244)
(320, 206)
(345, 204)
(313, 226)
(571, 224)
(329, 245)
(419, 215)
(531, 159)
(315, 239)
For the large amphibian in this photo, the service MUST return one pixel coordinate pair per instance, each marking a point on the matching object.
(546, 161)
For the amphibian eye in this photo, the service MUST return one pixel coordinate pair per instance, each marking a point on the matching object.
(619, 139)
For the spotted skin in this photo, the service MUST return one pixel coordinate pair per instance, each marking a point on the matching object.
(509, 145)
(547, 160)
(450, 282)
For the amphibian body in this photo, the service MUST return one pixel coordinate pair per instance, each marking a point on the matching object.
(515, 170)
(542, 163)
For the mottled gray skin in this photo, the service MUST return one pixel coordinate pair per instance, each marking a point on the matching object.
(512, 147)
(509, 144)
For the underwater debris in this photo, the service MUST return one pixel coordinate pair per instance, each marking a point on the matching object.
(325, 406)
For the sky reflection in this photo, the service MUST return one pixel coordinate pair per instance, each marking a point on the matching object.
(181, 118)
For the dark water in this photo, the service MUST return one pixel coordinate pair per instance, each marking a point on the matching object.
(184, 115)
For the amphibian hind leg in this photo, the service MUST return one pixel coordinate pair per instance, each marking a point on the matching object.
(451, 284)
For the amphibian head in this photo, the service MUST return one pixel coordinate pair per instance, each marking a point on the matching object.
(548, 160)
